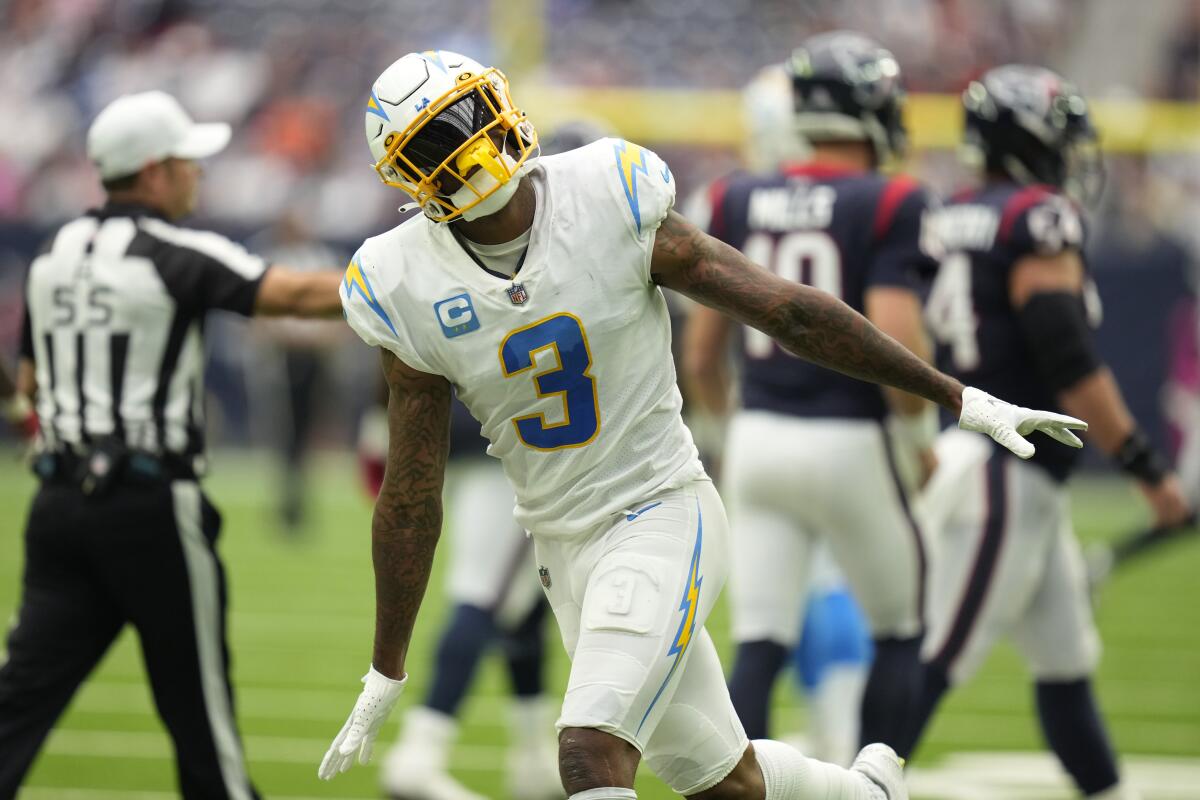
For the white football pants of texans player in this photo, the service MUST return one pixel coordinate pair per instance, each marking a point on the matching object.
(1004, 562)
(794, 485)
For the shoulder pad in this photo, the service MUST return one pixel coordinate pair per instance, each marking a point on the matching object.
(1038, 220)
(646, 182)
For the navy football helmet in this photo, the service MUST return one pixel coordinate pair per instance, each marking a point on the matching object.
(1031, 125)
(846, 86)
(573, 134)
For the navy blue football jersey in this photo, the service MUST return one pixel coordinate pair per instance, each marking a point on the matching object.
(983, 234)
(835, 229)
(466, 440)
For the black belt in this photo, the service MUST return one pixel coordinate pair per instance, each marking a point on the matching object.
(97, 469)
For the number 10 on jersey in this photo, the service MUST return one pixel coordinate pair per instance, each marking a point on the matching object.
(810, 257)
(569, 380)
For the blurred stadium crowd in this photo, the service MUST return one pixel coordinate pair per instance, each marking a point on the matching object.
(290, 75)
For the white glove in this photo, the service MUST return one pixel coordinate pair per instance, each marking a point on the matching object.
(378, 696)
(1008, 424)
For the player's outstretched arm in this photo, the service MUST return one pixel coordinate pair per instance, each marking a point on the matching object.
(817, 326)
(404, 534)
(810, 323)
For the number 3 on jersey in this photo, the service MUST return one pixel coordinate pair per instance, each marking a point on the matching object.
(563, 335)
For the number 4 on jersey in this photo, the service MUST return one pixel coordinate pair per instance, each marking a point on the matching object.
(950, 311)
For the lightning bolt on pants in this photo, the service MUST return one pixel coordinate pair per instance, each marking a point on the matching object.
(631, 598)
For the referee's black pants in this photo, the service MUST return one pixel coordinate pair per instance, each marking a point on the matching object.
(142, 554)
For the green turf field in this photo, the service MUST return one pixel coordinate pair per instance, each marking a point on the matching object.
(301, 634)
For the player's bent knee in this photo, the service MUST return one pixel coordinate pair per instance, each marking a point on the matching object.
(745, 782)
(590, 758)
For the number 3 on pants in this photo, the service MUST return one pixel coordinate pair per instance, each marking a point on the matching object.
(569, 380)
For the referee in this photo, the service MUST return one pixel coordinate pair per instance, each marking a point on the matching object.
(119, 531)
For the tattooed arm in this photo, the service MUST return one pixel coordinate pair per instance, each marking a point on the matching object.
(408, 513)
(810, 323)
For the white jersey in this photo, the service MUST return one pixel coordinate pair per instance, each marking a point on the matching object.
(567, 365)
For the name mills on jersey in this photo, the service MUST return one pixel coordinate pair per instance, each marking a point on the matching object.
(784, 208)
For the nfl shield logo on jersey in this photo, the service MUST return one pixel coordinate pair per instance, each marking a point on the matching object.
(517, 294)
(544, 574)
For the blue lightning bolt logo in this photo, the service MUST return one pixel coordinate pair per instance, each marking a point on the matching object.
(631, 160)
(356, 281)
(690, 607)
(435, 57)
(373, 107)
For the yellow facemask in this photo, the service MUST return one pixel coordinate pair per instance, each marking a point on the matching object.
(479, 150)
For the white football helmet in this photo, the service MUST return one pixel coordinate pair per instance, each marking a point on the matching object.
(443, 128)
(771, 138)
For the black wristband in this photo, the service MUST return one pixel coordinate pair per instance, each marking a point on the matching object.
(1137, 458)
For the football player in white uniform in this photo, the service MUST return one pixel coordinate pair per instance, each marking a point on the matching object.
(531, 287)
(497, 602)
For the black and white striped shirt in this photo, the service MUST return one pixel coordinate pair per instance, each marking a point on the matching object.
(114, 316)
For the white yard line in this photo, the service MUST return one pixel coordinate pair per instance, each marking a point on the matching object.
(959, 776)
(56, 793)
(982, 728)
(265, 703)
(1037, 776)
(154, 746)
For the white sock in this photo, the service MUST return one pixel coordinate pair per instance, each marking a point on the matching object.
(427, 737)
(835, 707)
(606, 793)
(790, 775)
(532, 723)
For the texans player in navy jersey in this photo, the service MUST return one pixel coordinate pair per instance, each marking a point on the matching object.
(1013, 309)
(809, 457)
(833, 656)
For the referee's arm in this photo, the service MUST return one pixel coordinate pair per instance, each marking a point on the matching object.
(205, 270)
(289, 292)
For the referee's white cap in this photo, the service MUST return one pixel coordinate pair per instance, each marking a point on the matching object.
(140, 129)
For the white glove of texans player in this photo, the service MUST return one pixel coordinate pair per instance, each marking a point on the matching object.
(379, 695)
(1008, 424)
